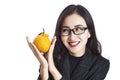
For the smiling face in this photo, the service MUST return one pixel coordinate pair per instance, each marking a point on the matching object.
(75, 43)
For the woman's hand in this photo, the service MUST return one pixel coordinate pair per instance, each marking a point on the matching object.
(37, 54)
(47, 62)
(41, 59)
(51, 66)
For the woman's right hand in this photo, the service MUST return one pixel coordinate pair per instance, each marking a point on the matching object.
(46, 61)
(41, 58)
(37, 54)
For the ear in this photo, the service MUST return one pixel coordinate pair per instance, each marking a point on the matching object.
(89, 35)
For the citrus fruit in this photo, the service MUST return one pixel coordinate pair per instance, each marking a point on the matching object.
(42, 42)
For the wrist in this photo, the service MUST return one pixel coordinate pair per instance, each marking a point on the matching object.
(56, 74)
(44, 73)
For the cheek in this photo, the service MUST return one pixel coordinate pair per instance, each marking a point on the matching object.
(64, 40)
(84, 39)
(85, 36)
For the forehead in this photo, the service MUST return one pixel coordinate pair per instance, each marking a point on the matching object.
(73, 20)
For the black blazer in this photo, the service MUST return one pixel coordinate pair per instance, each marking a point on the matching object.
(91, 67)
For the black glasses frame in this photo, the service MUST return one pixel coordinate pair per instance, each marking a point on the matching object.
(73, 30)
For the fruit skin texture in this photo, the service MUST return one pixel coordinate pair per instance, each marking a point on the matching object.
(42, 42)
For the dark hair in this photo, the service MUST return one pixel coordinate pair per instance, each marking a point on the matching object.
(93, 44)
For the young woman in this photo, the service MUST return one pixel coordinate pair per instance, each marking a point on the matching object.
(75, 52)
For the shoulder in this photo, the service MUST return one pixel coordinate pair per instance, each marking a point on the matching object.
(97, 63)
(98, 66)
(102, 61)
(97, 60)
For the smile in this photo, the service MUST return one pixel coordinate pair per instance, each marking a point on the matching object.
(74, 43)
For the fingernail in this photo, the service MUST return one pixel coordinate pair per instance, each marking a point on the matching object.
(54, 38)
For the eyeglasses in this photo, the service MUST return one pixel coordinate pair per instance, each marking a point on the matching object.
(76, 31)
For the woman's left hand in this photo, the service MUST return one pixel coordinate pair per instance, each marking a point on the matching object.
(51, 66)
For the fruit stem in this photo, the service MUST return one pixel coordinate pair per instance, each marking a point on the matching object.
(43, 30)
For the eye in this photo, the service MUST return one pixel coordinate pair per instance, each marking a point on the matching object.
(78, 29)
(65, 30)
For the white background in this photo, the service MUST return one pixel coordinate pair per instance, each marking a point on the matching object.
(21, 18)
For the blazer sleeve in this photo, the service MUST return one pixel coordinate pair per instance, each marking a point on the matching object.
(101, 70)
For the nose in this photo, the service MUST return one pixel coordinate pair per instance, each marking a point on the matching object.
(71, 32)
(72, 35)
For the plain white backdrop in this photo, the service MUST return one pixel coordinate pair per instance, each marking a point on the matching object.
(21, 18)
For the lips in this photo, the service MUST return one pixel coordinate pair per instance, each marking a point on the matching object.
(73, 43)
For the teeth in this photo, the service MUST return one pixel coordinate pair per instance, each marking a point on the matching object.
(73, 43)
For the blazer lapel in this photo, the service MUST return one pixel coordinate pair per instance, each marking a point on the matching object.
(66, 69)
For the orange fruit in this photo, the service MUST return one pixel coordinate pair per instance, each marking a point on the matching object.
(42, 42)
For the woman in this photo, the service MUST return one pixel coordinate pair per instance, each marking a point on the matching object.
(75, 52)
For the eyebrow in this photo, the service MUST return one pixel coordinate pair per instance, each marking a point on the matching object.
(65, 27)
(74, 26)
(78, 25)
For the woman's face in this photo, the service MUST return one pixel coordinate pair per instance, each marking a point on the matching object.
(75, 40)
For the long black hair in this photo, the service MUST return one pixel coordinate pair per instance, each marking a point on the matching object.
(93, 44)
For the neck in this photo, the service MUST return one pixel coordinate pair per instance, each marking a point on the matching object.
(78, 54)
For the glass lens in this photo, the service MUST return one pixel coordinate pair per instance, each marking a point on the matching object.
(79, 30)
(65, 31)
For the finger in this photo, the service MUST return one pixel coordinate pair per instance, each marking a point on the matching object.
(27, 38)
(52, 46)
(32, 46)
(28, 41)
(36, 52)
(53, 40)
(50, 54)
